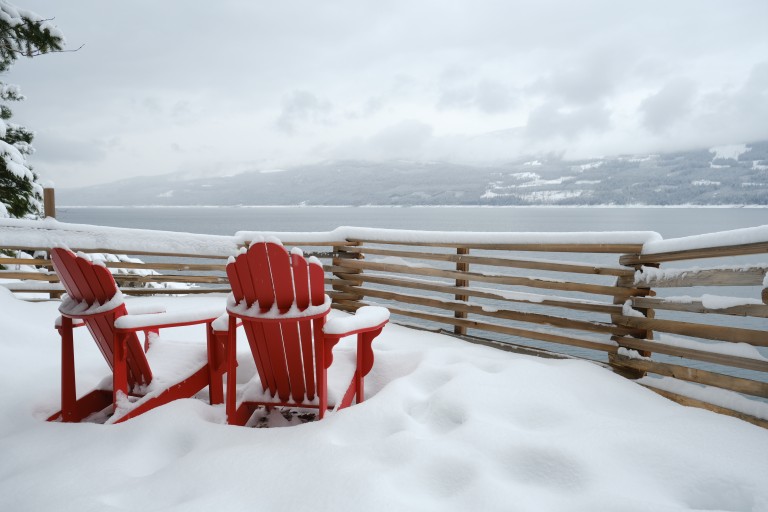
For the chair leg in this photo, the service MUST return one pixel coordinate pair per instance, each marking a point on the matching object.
(215, 366)
(231, 353)
(68, 387)
(320, 368)
(119, 368)
(147, 334)
(359, 377)
(350, 394)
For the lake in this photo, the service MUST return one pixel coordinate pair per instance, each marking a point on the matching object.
(669, 222)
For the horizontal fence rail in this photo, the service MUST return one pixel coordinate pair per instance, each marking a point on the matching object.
(687, 318)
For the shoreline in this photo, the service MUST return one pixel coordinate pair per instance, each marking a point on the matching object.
(548, 206)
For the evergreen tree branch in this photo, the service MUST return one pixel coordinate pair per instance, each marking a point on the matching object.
(35, 53)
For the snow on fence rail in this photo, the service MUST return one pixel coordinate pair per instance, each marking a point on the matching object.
(600, 296)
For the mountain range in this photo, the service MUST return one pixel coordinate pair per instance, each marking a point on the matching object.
(725, 175)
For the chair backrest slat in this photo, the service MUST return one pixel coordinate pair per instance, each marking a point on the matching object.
(316, 284)
(66, 268)
(277, 361)
(246, 283)
(90, 286)
(258, 342)
(282, 278)
(260, 276)
(308, 356)
(234, 282)
(294, 361)
(300, 280)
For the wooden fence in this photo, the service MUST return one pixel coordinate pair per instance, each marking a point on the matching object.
(647, 313)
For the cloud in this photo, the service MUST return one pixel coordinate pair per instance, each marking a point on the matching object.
(594, 76)
(181, 112)
(406, 139)
(487, 96)
(684, 114)
(668, 106)
(551, 120)
(456, 97)
(739, 115)
(493, 97)
(399, 88)
(151, 104)
(51, 148)
(301, 107)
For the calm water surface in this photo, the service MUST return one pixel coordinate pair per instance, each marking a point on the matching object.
(669, 222)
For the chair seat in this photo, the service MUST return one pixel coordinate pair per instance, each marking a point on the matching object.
(171, 362)
(174, 361)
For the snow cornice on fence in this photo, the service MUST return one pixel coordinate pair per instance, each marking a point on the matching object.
(744, 236)
(50, 232)
(41, 234)
(735, 242)
(453, 238)
(47, 233)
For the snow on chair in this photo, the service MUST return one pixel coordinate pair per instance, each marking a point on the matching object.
(181, 369)
(281, 302)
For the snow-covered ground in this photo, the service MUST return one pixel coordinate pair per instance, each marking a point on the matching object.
(447, 426)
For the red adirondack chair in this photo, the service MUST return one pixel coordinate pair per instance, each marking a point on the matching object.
(280, 300)
(93, 300)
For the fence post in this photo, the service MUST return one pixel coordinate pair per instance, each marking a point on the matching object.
(461, 283)
(614, 359)
(49, 202)
(49, 210)
(339, 262)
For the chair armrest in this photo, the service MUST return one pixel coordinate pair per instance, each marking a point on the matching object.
(132, 323)
(221, 324)
(367, 318)
(76, 322)
(143, 309)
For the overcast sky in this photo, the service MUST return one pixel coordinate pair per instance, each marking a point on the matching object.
(229, 86)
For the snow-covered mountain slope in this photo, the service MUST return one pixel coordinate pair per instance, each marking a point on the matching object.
(725, 175)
